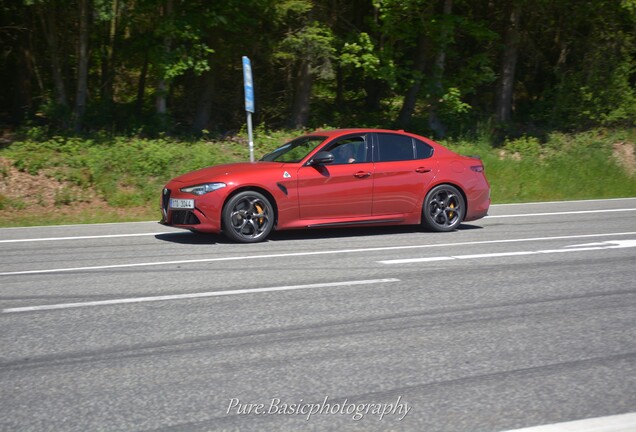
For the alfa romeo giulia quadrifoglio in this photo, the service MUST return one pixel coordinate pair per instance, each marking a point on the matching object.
(336, 178)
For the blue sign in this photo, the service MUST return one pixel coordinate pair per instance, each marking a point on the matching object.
(249, 85)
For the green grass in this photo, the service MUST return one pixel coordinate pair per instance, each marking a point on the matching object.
(129, 172)
(566, 167)
(83, 216)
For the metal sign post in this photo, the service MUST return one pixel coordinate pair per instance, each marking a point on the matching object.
(249, 102)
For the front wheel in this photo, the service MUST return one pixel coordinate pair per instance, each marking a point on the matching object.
(444, 208)
(248, 217)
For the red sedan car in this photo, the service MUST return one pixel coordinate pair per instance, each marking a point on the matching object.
(332, 179)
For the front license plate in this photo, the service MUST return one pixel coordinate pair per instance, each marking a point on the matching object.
(176, 203)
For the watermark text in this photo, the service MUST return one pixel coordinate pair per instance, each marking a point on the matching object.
(357, 411)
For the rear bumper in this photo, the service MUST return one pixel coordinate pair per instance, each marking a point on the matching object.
(478, 206)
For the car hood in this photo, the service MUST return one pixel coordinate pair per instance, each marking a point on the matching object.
(224, 173)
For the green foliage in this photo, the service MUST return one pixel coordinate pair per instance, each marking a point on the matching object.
(314, 44)
(526, 147)
(574, 70)
(64, 196)
(11, 204)
(363, 56)
(124, 171)
(452, 103)
(565, 167)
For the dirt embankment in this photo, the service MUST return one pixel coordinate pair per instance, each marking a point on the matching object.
(29, 198)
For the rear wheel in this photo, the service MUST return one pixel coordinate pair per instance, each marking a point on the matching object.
(248, 217)
(444, 208)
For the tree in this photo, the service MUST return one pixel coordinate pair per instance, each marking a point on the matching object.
(47, 14)
(306, 51)
(397, 15)
(312, 51)
(428, 65)
(82, 66)
(434, 121)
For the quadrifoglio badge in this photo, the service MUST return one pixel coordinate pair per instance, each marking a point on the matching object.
(357, 411)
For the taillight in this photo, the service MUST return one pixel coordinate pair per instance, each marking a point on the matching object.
(477, 168)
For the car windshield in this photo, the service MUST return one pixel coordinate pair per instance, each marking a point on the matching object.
(295, 150)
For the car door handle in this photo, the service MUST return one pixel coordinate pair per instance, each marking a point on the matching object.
(422, 170)
(362, 174)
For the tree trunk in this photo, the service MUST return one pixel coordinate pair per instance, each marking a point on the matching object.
(82, 66)
(410, 99)
(339, 89)
(302, 97)
(18, 96)
(141, 86)
(20, 85)
(203, 114)
(108, 56)
(505, 92)
(161, 101)
(373, 89)
(49, 25)
(434, 122)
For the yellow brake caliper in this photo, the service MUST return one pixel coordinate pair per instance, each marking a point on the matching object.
(260, 211)
(451, 214)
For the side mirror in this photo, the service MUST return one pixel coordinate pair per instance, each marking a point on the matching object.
(321, 158)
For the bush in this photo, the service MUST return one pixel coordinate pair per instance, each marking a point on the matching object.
(525, 147)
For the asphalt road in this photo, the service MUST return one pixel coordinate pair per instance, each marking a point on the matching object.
(524, 318)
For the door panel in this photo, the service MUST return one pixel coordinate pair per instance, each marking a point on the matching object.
(403, 170)
(399, 186)
(335, 191)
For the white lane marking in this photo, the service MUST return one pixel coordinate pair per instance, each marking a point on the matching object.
(564, 202)
(105, 236)
(154, 221)
(297, 254)
(615, 423)
(616, 244)
(196, 295)
(85, 237)
(560, 213)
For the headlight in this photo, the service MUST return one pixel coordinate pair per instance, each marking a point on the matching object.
(202, 189)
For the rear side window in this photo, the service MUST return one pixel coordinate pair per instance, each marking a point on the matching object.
(395, 148)
(422, 150)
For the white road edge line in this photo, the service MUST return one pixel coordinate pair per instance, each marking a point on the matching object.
(560, 213)
(105, 236)
(296, 254)
(195, 295)
(86, 237)
(615, 423)
(93, 224)
(563, 202)
(492, 205)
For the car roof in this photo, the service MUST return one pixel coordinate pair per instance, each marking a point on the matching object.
(335, 133)
(330, 133)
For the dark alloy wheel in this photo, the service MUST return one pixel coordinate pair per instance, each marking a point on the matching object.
(248, 217)
(444, 208)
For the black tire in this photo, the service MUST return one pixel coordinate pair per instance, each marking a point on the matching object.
(248, 217)
(444, 208)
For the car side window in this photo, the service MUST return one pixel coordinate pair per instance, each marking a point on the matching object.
(393, 147)
(422, 150)
(349, 150)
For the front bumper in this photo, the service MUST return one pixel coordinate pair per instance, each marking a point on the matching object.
(205, 217)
